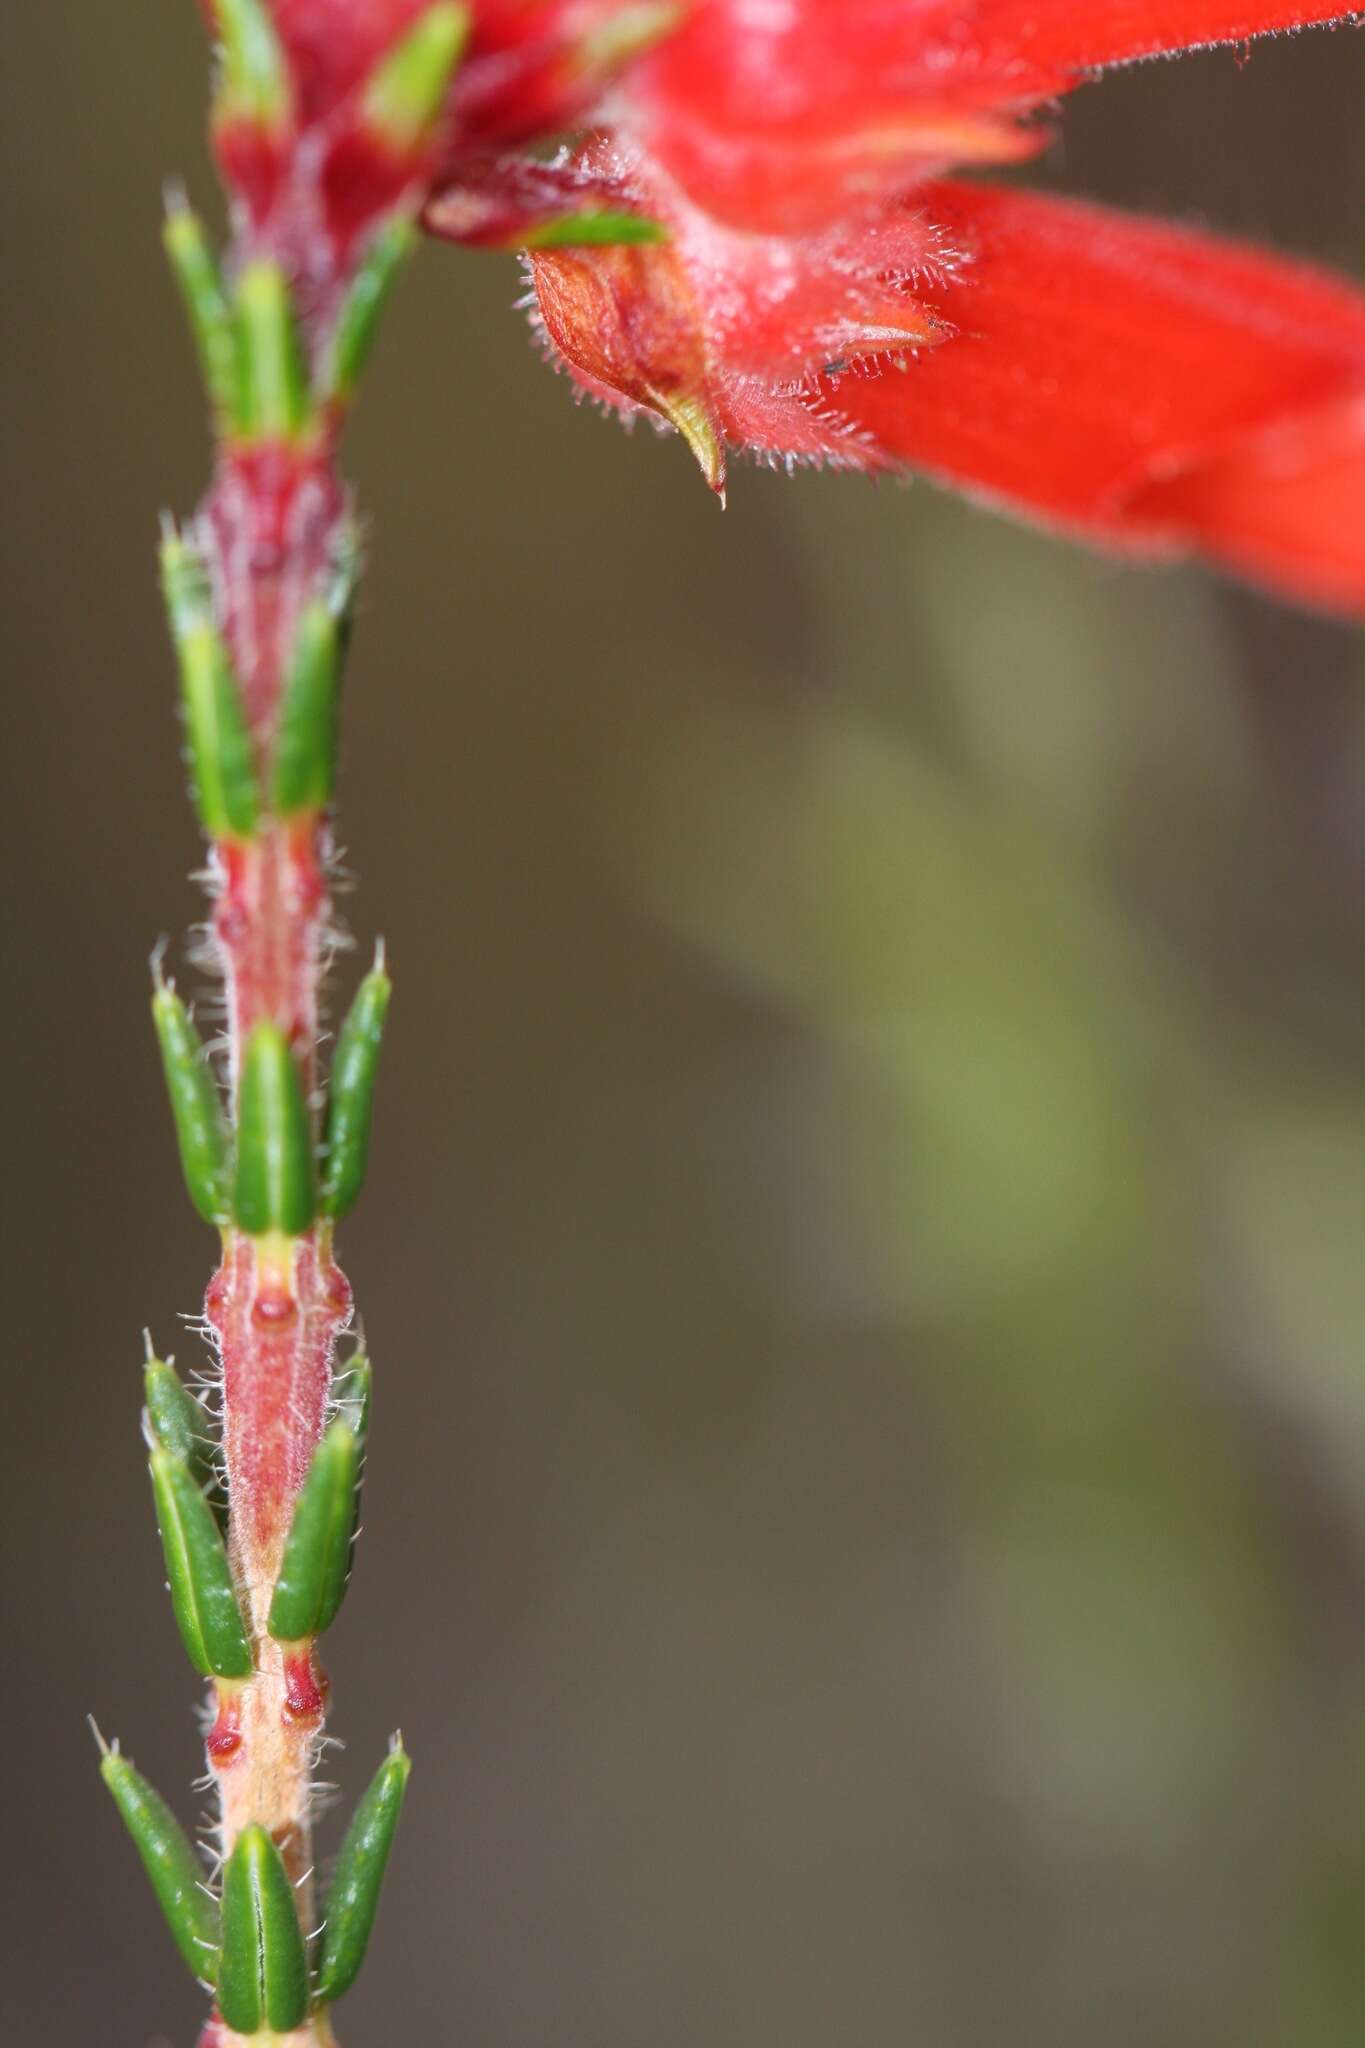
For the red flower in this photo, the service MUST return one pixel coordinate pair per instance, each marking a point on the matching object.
(818, 289)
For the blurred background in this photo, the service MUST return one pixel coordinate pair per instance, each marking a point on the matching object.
(863, 1249)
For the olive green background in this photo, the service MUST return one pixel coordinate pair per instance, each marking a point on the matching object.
(863, 1251)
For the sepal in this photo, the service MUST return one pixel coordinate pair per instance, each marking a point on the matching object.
(203, 1596)
(263, 1972)
(172, 1865)
(354, 1896)
(275, 1183)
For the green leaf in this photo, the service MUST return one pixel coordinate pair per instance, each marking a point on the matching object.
(177, 1422)
(202, 1593)
(354, 1897)
(200, 1127)
(275, 1185)
(593, 230)
(271, 399)
(263, 1973)
(405, 92)
(306, 748)
(255, 85)
(171, 1863)
(317, 1552)
(357, 323)
(351, 1105)
(201, 289)
(221, 762)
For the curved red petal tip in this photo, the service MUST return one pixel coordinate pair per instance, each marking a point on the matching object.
(1143, 385)
(1285, 507)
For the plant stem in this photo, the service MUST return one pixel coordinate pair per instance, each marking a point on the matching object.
(258, 588)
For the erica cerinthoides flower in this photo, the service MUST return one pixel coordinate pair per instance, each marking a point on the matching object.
(818, 288)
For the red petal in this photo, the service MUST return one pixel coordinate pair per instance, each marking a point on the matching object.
(1285, 507)
(1146, 385)
(1047, 43)
(781, 116)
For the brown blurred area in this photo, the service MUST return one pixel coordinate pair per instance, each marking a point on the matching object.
(863, 1246)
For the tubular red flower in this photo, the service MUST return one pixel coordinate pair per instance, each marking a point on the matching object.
(826, 295)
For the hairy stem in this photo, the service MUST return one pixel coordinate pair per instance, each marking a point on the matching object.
(258, 1524)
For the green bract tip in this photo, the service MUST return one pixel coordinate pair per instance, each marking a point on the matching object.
(263, 1971)
(354, 1897)
(202, 1593)
(354, 1067)
(200, 1128)
(405, 92)
(170, 1861)
(255, 85)
(270, 401)
(274, 1188)
(593, 230)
